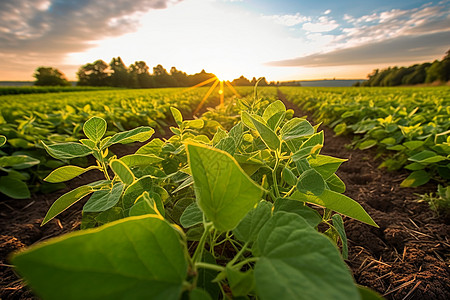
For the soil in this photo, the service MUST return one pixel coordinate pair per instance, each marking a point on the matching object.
(406, 258)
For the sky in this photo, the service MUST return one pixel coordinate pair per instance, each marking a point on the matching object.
(280, 40)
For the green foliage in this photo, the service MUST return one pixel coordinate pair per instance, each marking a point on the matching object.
(47, 76)
(439, 202)
(237, 189)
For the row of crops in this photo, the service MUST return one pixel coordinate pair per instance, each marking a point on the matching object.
(409, 127)
(213, 212)
(27, 120)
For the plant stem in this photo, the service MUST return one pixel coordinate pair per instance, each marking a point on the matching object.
(201, 244)
(246, 261)
(239, 254)
(209, 266)
(274, 175)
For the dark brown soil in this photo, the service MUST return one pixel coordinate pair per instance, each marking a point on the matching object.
(406, 258)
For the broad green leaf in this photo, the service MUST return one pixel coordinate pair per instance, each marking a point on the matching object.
(199, 294)
(95, 129)
(104, 199)
(275, 121)
(139, 134)
(368, 294)
(227, 144)
(416, 178)
(147, 204)
(337, 202)
(249, 227)
(427, 157)
(335, 184)
(296, 262)
(296, 128)
(367, 144)
(273, 108)
(14, 188)
(237, 133)
(88, 143)
(413, 145)
(197, 124)
(122, 170)
(206, 276)
(325, 165)
(65, 201)
(219, 135)
(241, 283)
(134, 160)
(153, 147)
(314, 140)
(224, 192)
(267, 135)
(67, 150)
(18, 162)
(289, 176)
(338, 224)
(137, 188)
(302, 153)
(65, 173)
(177, 116)
(124, 259)
(191, 216)
(110, 215)
(293, 206)
(2, 140)
(415, 166)
(311, 181)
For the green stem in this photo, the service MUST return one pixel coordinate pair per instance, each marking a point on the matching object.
(246, 261)
(204, 265)
(201, 244)
(290, 191)
(274, 175)
(239, 254)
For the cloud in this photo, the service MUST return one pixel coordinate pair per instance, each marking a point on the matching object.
(48, 29)
(323, 24)
(288, 20)
(405, 49)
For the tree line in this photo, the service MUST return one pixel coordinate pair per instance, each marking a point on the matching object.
(137, 75)
(435, 72)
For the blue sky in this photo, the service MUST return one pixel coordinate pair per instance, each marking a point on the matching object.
(281, 40)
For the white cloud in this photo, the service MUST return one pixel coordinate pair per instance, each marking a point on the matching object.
(323, 24)
(288, 20)
(328, 11)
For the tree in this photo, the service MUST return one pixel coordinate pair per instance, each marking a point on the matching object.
(139, 77)
(46, 76)
(119, 73)
(162, 78)
(95, 74)
(180, 78)
(241, 81)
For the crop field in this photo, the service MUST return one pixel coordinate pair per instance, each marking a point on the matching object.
(169, 194)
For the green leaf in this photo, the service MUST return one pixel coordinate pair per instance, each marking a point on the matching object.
(368, 294)
(65, 201)
(416, 178)
(135, 190)
(335, 184)
(224, 192)
(293, 206)
(337, 202)
(427, 157)
(2, 140)
(199, 294)
(95, 129)
(249, 227)
(325, 165)
(338, 224)
(311, 181)
(227, 144)
(18, 162)
(296, 262)
(177, 116)
(267, 135)
(367, 144)
(191, 216)
(67, 150)
(289, 176)
(139, 134)
(196, 124)
(135, 160)
(241, 283)
(14, 188)
(104, 199)
(274, 113)
(153, 147)
(65, 173)
(206, 276)
(122, 171)
(219, 135)
(147, 204)
(121, 260)
(413, 145)
(296, 128)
